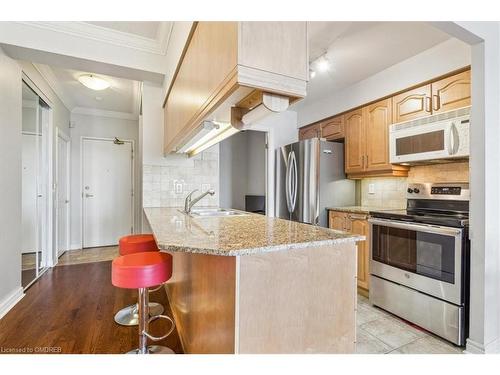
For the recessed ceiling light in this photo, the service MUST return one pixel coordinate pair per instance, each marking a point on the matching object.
(93, 82)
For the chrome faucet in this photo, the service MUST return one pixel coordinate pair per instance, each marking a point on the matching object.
(189, 202)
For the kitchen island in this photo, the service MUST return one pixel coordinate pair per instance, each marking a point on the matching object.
(255, 284)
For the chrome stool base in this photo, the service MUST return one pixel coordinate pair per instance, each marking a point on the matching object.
(154, 349)
(129, 316)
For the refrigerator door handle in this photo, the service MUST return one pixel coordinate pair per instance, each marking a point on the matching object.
(288, 183)
(295, 182)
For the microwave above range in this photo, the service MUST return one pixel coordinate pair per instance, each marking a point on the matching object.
(434, 139)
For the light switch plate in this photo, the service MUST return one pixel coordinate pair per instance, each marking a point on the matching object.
(371, 188)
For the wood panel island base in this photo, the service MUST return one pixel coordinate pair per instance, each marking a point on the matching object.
(254, 284)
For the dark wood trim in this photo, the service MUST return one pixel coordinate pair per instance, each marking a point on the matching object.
(429, 81)
(181, 59)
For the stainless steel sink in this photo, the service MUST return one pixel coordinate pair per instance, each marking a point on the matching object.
(211, 212)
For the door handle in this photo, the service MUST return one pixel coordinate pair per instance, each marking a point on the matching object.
(89, 195)
(66, 201)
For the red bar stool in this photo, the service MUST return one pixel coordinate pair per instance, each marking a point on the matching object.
(137, 243)
(141, 271)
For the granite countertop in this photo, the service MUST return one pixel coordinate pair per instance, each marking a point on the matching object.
(236, 235)
(359, 209)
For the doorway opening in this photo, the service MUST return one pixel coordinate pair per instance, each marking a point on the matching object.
(107, 175)
(243, 172)
(36, 194)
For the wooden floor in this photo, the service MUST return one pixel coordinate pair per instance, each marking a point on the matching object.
(88, 255)
(70, 309)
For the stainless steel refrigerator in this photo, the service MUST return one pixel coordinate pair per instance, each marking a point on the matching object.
(309, 178)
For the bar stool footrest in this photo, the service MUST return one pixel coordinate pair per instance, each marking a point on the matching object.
(155, 338)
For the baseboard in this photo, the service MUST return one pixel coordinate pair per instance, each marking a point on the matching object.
(75, 246)
(473, 347)
(10, 301)
(477, 348)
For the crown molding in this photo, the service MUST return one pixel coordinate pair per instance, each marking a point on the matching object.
(49, 76)
(102, 34)
(104, 113)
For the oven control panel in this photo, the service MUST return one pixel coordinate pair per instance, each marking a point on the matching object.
(454, 191)
(448, 190)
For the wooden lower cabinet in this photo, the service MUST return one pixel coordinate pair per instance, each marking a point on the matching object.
(337, 220)
(356, 224)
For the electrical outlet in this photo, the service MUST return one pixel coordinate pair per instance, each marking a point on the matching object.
(371, 188)
(178, 187)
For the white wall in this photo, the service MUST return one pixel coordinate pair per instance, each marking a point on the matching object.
(485, 183)
(104, 127)
(10, 182)
(438, 60)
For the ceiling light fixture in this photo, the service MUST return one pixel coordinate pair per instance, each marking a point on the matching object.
(323, 64)
(93, 82)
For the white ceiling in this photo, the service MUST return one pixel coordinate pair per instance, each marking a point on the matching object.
(146, 29)
(359, 50)
(121, 98)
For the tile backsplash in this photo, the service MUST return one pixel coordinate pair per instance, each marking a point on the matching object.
(384, 192)
(167, 185)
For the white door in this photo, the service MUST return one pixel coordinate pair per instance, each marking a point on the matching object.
(62, 194)
(107, 192)
(29, 191)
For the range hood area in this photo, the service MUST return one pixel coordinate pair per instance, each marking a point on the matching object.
(231, 75)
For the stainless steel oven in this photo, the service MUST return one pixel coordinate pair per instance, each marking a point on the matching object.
(419, 259)
(424, 257)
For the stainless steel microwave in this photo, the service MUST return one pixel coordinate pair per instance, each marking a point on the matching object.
(431, 139)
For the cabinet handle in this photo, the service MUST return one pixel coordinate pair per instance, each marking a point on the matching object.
(366, 161)
(428, 104)
(437, 102)
(357, 217)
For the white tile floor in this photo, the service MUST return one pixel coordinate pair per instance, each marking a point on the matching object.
(380, 332)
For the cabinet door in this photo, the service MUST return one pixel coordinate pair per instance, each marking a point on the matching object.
(378, 117)
(354, 141)
(337, 220)
(412, 104)
(312, 131)
(333, 128)
(451, 92)
(360, 226)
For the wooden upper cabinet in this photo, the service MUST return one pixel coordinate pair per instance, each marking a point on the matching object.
(412, 104)
(225, 62)
(354, 141)
(378, 117)
(187, 95)
(310, 131)
(333, 129)
(451, 93)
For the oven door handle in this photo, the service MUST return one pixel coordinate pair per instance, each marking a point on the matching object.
(447, 231)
